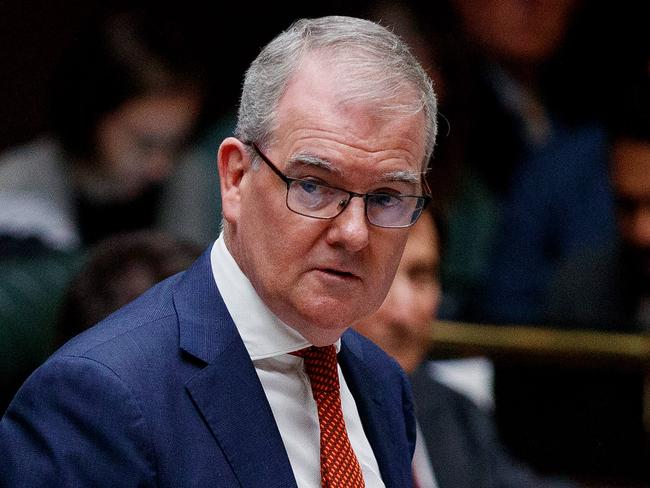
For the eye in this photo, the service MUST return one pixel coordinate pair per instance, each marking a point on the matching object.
(311, 195)
(385, 200)
(309, 186)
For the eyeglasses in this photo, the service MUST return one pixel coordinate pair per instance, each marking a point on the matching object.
(317, 200)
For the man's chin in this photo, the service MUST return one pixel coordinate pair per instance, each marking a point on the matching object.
(322, 328)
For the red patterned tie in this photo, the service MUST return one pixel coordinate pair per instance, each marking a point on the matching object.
(339, 465)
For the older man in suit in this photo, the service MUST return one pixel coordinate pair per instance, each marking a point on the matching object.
(227, 374)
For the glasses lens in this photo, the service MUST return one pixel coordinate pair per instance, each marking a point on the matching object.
(307, 197)
(386, 210)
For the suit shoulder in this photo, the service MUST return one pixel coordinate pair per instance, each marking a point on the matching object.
(148, 321)
(81, 399)
(429, 394)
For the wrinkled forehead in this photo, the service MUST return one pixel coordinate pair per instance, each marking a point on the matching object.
(365, 81)
(326, 103)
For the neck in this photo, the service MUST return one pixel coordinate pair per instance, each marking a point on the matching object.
(318, 336)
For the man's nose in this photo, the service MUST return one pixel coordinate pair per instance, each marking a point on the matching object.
(350, 227)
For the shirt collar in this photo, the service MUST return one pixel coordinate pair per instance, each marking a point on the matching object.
(263, 333)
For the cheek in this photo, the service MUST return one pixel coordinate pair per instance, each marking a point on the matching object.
(423, 312)
(262, 218)
(277, 242)
(379, 297)
(108, 147)
(127, 164)
(385, 261)
(422, 303)
(435, 301)
(626, 225)
(115, 149)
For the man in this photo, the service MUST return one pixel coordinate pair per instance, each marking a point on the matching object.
(196, 382)
(460, 445)
(601, 410)
(618, 295)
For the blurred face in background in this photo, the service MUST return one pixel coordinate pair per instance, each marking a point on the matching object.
(518, 31)
(402, 325)
(139, 143)
(631, 180)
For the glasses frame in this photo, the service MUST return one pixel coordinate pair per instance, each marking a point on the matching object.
(423, 200)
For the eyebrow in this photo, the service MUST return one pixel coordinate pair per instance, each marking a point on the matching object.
(308, 159)
(403, 176)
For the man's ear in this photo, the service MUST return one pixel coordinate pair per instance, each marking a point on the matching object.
(233, 161)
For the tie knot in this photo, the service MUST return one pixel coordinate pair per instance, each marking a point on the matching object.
(321, 367)
(325, 353)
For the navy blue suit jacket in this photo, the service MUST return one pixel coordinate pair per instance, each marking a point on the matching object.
(163, 393)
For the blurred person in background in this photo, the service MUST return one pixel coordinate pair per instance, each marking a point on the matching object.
(125, 99)
(608, 289)
(115, 271)
(532, 190)
(458, 445)
(531, 178)
(118, 270)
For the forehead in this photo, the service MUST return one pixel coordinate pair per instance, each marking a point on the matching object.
(312, 119)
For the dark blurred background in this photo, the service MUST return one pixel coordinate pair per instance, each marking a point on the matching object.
(34, 35)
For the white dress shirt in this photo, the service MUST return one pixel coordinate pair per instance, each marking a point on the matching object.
(422, 469)
(269, 341)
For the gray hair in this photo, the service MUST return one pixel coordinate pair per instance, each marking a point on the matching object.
(379, 70)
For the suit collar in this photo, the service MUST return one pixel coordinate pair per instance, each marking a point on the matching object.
(232, 402)
(231, 399)
(227, 391)
(263, 333)
(205, 327)
(368, 394)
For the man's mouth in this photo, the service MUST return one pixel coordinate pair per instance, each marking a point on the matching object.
(338, 272)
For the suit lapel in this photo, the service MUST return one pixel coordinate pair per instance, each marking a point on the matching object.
(227, 391)
(368, 397)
